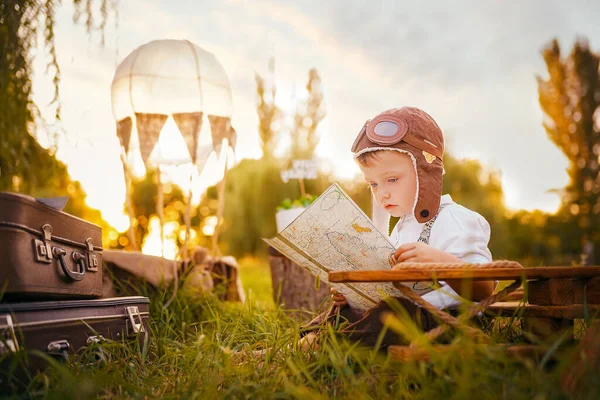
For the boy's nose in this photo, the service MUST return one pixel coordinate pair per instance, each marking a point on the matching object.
(384, 195)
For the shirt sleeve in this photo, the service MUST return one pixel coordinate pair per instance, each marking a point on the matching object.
(463, 233)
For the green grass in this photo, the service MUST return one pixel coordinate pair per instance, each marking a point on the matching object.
(256, 279)
(201, 350)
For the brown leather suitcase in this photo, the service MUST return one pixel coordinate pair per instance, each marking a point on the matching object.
(46, 253)
(61, 328)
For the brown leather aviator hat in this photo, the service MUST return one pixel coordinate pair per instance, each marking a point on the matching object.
(411, 131)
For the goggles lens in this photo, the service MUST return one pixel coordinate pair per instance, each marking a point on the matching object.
(386, 128)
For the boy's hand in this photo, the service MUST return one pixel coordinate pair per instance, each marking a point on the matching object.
(420, 252)
(338, 298)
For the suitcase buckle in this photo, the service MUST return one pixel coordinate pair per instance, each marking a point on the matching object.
(131, 313)
(92, 264)
(8, 342)
(43, 251)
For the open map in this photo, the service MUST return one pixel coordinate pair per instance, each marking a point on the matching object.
(334, 234)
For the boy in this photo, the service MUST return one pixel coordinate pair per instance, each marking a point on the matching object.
(400, 155)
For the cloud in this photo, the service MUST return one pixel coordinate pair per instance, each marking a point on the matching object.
(452, 43)
(471, 64)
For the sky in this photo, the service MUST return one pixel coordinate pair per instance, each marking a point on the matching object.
(472, 65)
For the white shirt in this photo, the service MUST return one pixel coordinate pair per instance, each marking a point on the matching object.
(457, 230)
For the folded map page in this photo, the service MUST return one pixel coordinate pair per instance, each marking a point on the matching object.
(334, 234)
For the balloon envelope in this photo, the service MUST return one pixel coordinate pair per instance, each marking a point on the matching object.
(170, 76)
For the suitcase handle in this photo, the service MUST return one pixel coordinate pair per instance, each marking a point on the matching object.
(59, 253)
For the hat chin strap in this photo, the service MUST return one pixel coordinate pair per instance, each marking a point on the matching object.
(381, 218)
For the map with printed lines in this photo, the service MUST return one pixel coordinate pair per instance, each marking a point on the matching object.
(334, 234)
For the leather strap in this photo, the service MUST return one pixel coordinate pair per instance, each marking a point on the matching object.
(426, 231)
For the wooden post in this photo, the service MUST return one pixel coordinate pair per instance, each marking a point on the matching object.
(184, 251)
(302, 190)
(220, 207)
(586, 291)
(548, 328)
(295, 288)
(586, 364)
(159, 211)
(128, 203)
(557, 292)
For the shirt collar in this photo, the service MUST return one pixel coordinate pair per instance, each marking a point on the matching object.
(446, 199)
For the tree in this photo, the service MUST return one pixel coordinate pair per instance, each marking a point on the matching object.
(254, 188)
(309, 114)
(253, 191)
(25, 166)
(269, 114)
(144, 198)
(570, 98)
(473, 186)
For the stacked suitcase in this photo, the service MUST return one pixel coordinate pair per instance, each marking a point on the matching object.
(51, 283)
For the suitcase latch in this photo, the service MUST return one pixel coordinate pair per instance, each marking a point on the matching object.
(59, 348)
(95, 339)
(43, 251)
(92, 257)
(8, 342)
(98, 355)
(132, 312)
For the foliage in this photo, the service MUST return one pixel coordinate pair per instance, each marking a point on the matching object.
(253, 191)
(25, 166)
(303, 201)
(269, 114)
(473, 186)
(569, 98)
(144, 194)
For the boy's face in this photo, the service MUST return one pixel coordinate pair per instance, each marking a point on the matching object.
(393, 181)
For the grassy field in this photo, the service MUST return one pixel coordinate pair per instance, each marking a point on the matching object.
(202, 350)
(256, 278)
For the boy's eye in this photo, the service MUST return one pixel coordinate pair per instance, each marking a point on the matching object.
(392, 180)
(373, 184)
